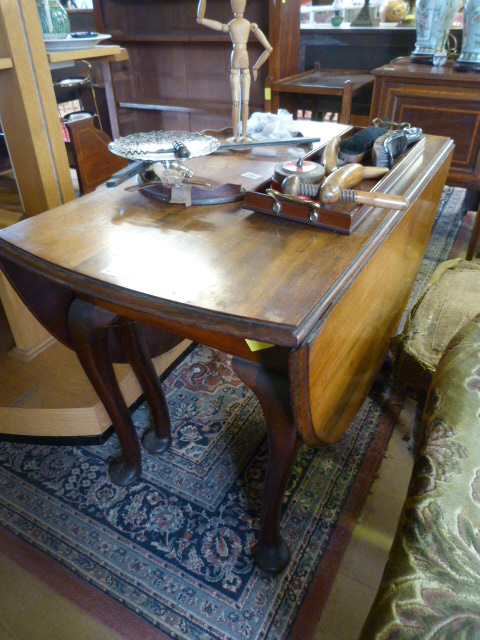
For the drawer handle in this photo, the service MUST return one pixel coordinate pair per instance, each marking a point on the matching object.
(277, 205)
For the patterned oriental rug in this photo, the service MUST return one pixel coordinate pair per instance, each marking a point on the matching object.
(174, 549)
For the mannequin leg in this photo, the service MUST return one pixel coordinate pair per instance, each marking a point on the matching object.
(235, 86)
(246, 81)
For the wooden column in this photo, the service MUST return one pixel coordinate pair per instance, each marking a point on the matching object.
(29, 335)
(284, 36)
(30, 121)
(43, 389)
(29, 113)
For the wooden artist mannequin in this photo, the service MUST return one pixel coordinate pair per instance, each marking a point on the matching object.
(239, 30)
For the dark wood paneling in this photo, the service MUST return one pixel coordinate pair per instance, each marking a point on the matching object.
(175, 62)
(437, 117)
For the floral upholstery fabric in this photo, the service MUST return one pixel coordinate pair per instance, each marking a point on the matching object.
(431, 584)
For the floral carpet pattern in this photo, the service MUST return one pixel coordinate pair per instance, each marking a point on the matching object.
(176, 547)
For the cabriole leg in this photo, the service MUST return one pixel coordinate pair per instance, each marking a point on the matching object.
(272, 390)
(158, 438)
(87, 326)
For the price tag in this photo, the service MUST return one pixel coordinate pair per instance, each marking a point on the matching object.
(251, 175)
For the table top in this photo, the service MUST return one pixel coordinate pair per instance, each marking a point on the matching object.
(320, 81)
(250, 275)
(421, 72)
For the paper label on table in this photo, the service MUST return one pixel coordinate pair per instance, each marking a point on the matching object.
(182, 195)
(251, 176)
(268, 93)
(253, 345)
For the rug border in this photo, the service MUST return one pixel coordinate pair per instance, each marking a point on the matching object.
(64, 582)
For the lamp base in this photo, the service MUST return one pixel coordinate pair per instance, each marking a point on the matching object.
(467, 67)
(419, 58)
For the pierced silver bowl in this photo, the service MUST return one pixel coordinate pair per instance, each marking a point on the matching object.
(158, 146)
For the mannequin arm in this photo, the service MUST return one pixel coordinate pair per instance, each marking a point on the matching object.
(260, 36)
(211, 24)
(202, 7)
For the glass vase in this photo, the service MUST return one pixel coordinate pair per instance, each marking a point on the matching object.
(54, 19)
(469, 59)
(434, 19)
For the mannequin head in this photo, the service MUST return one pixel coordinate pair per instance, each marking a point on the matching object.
(238, 6)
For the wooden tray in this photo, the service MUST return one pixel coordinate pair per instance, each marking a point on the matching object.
(343, 217)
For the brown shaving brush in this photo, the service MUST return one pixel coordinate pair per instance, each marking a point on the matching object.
(330, 161)
(336, 186)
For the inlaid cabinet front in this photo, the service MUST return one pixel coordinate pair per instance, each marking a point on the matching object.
(441, 101)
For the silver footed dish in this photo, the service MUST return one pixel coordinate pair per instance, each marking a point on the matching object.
(163, 145)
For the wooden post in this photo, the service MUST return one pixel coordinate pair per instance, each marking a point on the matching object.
(284, 35)
(28, 111)
(30, 121)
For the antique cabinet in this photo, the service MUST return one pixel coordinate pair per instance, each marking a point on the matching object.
(441, 101)
(178, 73)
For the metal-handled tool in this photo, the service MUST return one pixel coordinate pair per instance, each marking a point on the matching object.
(124, 174)
(250, 144)
(197, 183)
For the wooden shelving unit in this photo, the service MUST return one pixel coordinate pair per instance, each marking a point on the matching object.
(176, 36)
(108, 53)
(182, 69)
(43, 389)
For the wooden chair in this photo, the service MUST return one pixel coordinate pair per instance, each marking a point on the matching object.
(321, 91)
(91, 158)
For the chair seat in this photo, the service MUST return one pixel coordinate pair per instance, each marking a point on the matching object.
(450, 300)
(324, 89)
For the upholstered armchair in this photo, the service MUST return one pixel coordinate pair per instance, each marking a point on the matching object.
(431, 584)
